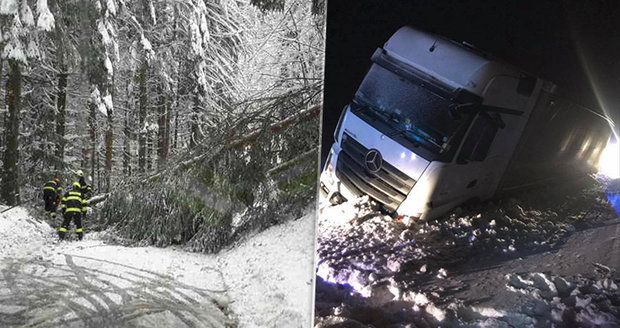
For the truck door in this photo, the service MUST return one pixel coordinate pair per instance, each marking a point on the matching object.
(469, 175)
(475, 151)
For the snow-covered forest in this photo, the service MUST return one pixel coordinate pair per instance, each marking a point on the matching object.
(181, 111)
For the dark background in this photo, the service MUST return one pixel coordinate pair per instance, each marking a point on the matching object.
(575, 44)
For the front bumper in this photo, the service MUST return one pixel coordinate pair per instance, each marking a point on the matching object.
(332, 189)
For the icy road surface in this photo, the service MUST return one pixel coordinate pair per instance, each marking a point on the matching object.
(548, 257)
(265, 281)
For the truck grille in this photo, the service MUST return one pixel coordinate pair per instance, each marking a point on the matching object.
(388, 186)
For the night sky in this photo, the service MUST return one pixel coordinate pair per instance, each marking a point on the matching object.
(560, 41)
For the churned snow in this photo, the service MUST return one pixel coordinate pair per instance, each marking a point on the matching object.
(584, 302)
(476, 267)
(264, 281)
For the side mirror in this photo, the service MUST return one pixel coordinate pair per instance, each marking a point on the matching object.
(342, 113)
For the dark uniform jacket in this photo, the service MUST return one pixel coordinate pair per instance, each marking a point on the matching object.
(87, 190)
(52, 190)
(74, 201)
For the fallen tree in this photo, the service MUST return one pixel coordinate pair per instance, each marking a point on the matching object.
(240, 179)
(276, 127)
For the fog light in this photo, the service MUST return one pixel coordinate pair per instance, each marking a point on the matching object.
(337, 199)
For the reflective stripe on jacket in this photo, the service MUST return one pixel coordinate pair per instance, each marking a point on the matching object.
(52, 186)
(74, 201)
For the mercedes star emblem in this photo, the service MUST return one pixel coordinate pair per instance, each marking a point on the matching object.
(373, 160)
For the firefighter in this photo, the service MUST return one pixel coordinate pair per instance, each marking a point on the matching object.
(87, 189)
(52, 191)
(73, 206)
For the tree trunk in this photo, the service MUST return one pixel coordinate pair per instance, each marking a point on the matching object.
(168, 119)
(98, 174)
(93, 161)
(109, 142)
(61, 96)
(176, 122)
(127, 141)
(92, 124)
(61, 106)
(194, 135)
(142, 135)
(163, 132)
(2, 115)
(149, 150)
(10, 178)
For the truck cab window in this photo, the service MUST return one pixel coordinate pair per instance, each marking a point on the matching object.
(476, 146)
(410, 113)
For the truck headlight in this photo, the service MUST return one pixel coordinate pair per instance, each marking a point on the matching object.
(328, 172)
(329, 168)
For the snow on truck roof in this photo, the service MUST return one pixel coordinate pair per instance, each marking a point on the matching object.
(457, 65)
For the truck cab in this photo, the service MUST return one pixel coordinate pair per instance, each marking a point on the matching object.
(433, 124)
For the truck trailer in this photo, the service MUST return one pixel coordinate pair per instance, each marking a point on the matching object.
(437, 123)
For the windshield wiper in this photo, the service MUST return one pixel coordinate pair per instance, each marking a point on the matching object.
(418, 133)
(385, 116)
(402, 132)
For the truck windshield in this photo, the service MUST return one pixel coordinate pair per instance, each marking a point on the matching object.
(410, 112)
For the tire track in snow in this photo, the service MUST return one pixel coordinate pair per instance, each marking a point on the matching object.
(49, 295)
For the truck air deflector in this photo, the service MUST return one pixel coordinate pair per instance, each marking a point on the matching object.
(383, 59)
(388, 185)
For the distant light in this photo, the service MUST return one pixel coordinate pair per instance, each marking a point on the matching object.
(402, 155)
(413, 156)
(609, 164)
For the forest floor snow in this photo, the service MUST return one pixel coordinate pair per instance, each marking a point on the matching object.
(264, 281)
(549, 257)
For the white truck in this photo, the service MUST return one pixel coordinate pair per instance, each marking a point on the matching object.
(436, 123)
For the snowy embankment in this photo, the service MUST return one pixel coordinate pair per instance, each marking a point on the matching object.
(270, 276)
(264, 281)
(21, 235)
(459, 270)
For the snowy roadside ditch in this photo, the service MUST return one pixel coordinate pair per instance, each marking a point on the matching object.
(264, 280)
(373, 269)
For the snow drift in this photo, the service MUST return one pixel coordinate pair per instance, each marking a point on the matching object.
(374, 269)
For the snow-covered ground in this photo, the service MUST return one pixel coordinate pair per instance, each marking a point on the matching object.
(264, 281)
(547, 257)
(272, 274)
